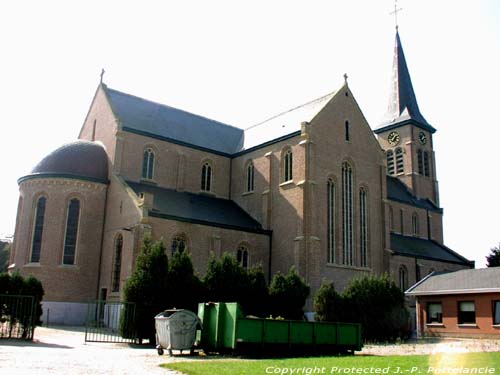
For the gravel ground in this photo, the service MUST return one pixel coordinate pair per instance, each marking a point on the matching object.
(62, 350)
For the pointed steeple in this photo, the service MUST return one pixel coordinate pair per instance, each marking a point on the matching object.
(403, 107)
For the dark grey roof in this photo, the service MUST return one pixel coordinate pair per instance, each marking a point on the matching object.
(285, 123)
(425, 249)
(197, 208)
(153, 119)
(483, 280)
(80, 159)
(403, 105)
(398, 191)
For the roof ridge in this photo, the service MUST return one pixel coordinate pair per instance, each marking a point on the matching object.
(174, 108)
(291, 110)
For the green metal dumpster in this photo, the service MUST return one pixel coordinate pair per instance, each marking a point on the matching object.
(225, 327)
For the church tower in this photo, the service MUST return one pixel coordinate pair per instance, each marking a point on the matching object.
(406, 136)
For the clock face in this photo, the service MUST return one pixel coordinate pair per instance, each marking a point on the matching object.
(422, 138)
(393, 138)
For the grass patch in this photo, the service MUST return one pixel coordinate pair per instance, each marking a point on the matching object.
(439, 364)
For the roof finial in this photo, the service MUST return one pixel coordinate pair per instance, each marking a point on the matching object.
(345, 78)
(395, 12)
(102, 73)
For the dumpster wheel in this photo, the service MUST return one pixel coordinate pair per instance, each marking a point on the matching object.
(160, 351)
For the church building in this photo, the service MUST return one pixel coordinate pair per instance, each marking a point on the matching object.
(313, 187)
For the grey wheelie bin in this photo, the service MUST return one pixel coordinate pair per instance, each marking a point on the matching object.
(176, 330)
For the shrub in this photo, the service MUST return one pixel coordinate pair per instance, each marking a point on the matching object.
(185, 288)
(375, 302)
(227, 281)
(288, 295)
(328, 304)
(147, 288)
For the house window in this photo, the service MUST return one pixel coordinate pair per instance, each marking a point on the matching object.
(242, 256)
(148, 163)
(117, 264)
(403, 278)
(287, 165)
(347, 214)
(347, 134)
(399, 161)
(390, 162)
(206, 177)
(414, 224)
(70, 239)
(496, 312)
(36, 246)
(420, 162)
(363, 227)
(250, 177)
(466, 312)
(330, 205)
(426, 164)
(434, 312)
(179, 244)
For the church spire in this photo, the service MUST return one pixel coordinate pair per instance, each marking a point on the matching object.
(403, 105)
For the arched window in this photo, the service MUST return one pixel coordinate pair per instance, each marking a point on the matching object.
(250, 177)
(206, 177)
(287, 165)
(390, 162)
(391, 218)
(399, 161)
(347, 131)
(403, 278)
(331, 212)
(402, 220)
(70, 239)
(36, 242)
(420, 162)
(427, 167)
(414, 224)
(363, 228)
(179, 244)
(242, 256)
(148, 163)
(117, 264)
(347, 214)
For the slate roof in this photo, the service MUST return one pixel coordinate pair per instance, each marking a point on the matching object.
(425, 249)
(153, 119)
(79, 159)
(197, 208)
(403, 105)
(483, 280)
(398, 191)
(285, 123)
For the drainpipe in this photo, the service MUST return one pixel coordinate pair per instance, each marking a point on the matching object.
(102, 243)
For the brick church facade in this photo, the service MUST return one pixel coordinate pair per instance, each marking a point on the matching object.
(314, 187)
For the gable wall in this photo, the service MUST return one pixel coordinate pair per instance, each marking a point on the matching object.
(106, 125)
(329, 149)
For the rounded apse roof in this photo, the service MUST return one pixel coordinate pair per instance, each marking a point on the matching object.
(82, 159)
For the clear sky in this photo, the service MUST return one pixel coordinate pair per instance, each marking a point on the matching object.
(241, 61)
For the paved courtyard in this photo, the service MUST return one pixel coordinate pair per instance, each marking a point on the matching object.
(62, 350)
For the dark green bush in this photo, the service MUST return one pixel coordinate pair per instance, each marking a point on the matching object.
(185, 288)
(375, 302)
(288, 295)
(147, 288)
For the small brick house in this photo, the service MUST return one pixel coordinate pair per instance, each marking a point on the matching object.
(463, 303)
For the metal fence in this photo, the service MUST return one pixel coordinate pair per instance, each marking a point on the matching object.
(17, 317)
(110, 322)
